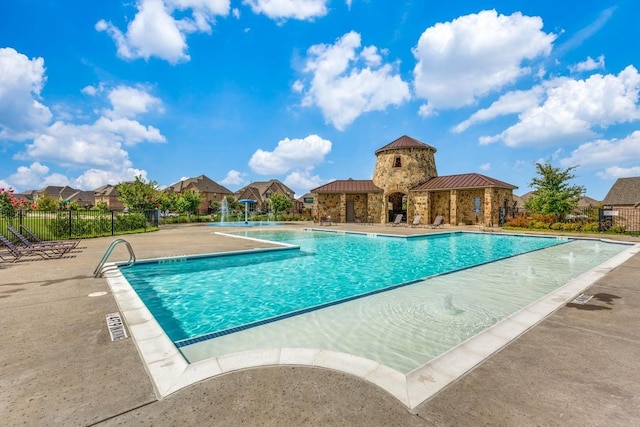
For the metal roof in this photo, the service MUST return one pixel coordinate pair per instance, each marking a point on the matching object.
(348, 186)
(405, 142)
(467, 180)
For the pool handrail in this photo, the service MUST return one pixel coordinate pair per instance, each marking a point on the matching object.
(132, 257)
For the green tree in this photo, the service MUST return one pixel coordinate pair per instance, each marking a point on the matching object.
(553, 194)
(189, 201)
(279, 203)
(101, 206)
(47, 203)
(139, 195)
(167, 201)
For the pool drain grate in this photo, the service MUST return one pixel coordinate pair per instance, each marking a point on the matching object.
(116, 327)
(582, 299)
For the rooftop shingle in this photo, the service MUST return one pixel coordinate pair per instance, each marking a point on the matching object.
(625, 191)
(404, 142)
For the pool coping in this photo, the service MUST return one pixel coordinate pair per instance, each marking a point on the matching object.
(170, 372)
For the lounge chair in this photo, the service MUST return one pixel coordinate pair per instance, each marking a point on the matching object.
(416, 221)
(398, 220)
(437, 222)
(326, 220)
(34, 238)
(19, 252)
(57, 247)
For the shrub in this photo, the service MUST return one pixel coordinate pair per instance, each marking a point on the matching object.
(617, 229)
(557, 226)
(591, 227)
(539, 225)
(519, 221)
(571, 226)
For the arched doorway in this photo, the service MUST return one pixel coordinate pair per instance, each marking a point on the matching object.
(396, 204)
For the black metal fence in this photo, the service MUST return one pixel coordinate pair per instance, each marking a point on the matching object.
(77, 224)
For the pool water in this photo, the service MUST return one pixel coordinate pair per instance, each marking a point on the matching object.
(202, 298)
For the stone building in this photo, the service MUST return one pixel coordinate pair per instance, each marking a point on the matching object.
(405, 181)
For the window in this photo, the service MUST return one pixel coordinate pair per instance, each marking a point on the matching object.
(397, 162)
(308, 200)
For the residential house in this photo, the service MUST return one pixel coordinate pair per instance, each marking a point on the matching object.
(261, 191)
(207, 188)
(305, 202)
(66, 194)
(405, 181)
(109, 195)
(622, 203)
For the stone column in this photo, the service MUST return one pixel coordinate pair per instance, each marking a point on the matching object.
(488, 207)
(453, 207)
(343, 208)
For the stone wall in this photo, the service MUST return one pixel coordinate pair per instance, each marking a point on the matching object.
(440, 205)
(466, 205)
(325, 205)
(417, 166)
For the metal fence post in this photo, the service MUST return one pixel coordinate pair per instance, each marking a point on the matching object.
(113, 226)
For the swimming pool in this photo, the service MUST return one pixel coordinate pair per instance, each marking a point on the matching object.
(209, 297)
(437, 328)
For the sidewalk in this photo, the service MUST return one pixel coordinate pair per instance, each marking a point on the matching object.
(59, 366)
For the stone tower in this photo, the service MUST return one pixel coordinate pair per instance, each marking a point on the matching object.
(403, 164)
(400, 166)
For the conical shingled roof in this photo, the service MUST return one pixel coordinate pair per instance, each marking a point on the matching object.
(404, 142)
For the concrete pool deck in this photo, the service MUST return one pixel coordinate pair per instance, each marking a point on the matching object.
(59, 366)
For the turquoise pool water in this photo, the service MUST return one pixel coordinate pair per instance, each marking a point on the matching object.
(202, 298)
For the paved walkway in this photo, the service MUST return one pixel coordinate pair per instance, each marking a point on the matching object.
(58, 366)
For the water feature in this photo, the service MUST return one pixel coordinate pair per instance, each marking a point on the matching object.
(246, 202)
(224, 209)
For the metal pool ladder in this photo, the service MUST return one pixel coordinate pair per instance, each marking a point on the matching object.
(132, 257)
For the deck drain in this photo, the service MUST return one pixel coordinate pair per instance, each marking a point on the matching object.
(582, 299)
(116, 327)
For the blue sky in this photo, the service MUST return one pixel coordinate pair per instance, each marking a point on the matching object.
(306, 90)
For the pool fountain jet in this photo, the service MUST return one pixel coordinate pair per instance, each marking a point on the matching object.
(246, 208)
(449, 307)
(224, 209)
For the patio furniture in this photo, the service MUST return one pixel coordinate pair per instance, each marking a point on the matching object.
(57, 247)
(416, 221)
(19, 252)
(398, 221)
(437, 222)
(34, 238)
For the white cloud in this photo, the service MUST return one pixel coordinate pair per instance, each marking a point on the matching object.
(574, 109)
(605, 152)
(485, 166)
(37, 175)
(156, 32)
(128, 101)
(22, 115)
(291, 154)
(342, 89)
(614, 172)
(289, 9)
(466, 59)
(302, 181)
(234, 178)
(510, 103)
(588, 64)
(98, 144)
